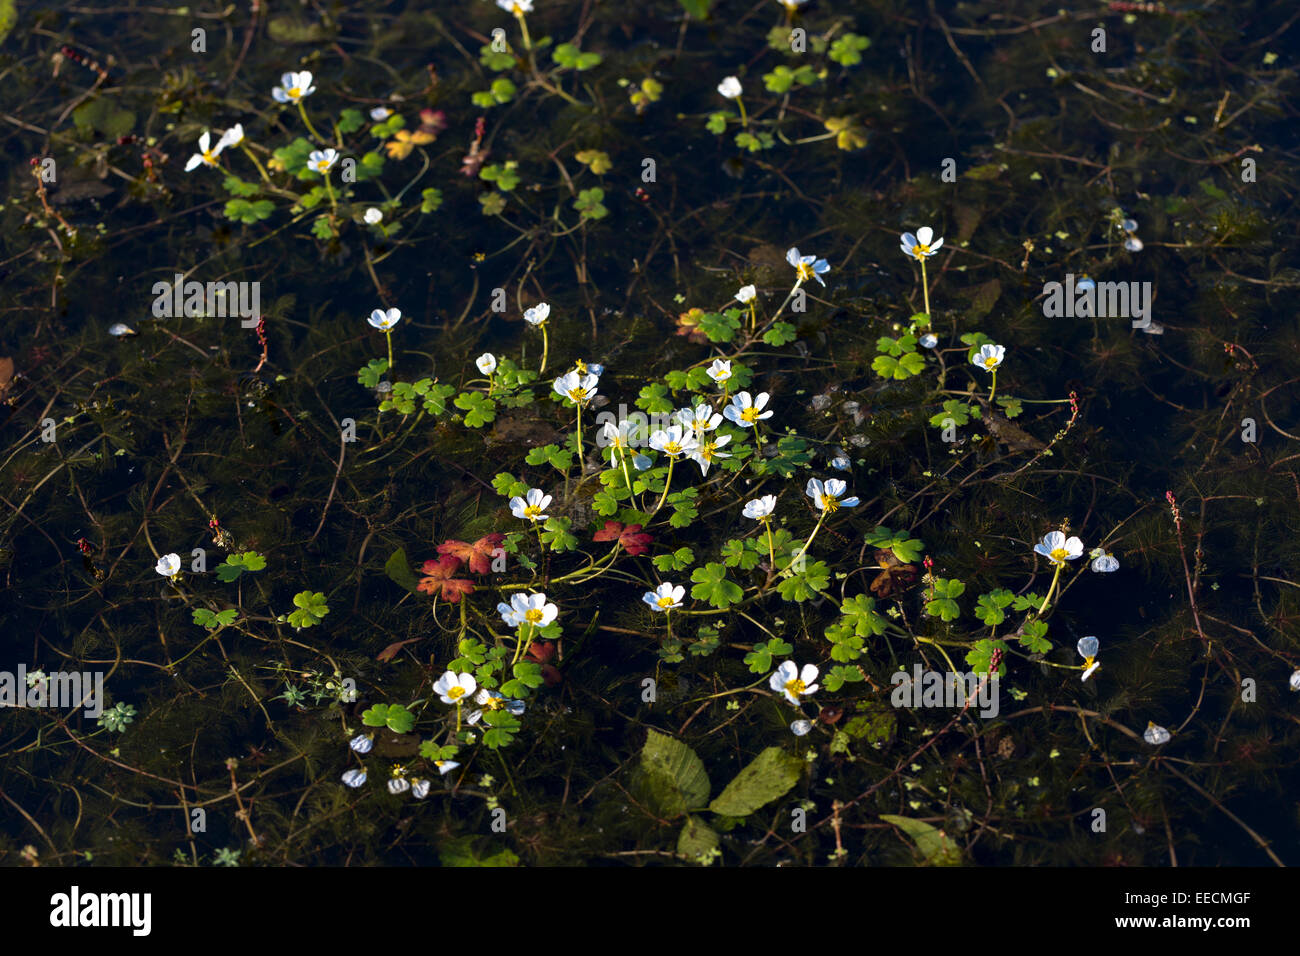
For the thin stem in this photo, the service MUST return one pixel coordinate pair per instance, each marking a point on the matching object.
(389, 334)
(311, 129)
(546, 347)
(795, 560)
(993, 390)
(744, 120)
(249, 153)
(1050, 591)
(925, 287)
(668, 480)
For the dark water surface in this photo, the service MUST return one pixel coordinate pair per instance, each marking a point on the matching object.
(612, 180)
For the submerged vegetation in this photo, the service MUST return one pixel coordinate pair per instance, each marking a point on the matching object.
(558, 433)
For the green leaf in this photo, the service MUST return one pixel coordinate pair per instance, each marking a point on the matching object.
(399, 571)
(782, 333)
(678, 560)
(888, 367)
(805, 584)
(860, 613)
(350, 120)
(590, 203)
(370, 375)
(935, 846)
(478, 408)
(760, 658)
(711, 585)
(237, 564)
(673, 774)
(311, 609)
(989, 607)
(905, 549)
(460, 851)
(771, 774)
(698, 840)
(556, 535)
(430, 199)
(717, 123)
(697, 9)
(393, 716)
(847, 49)
(944, 605)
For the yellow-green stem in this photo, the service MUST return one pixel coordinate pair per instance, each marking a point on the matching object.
(668, 480)
(546, 347)
(1052, 590)
(925, 287)
(802, 551)
(993, 390)
(311, 129)
(249, 153)
(389, 335)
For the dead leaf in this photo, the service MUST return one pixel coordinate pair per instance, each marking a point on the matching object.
(389, 652)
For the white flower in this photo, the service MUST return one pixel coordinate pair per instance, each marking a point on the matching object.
(988, 357)
(730, 87)
(373, 216)
(322, 161)
(827, 496)
(579, 389)
(452, 687)
(231, 137)
(700, 419)
(487, 363)
(746, 411)
(666, 597)
(537, 314)
(380, 113)
(206, 156)
(445, 766)
(746, 294)
(362, 743)
(617, 435)
(760, 509)
(1087, 648)
(398, 785)
(533, 507)
(928, 341)
(384, 321)
(420, 788)
(673, 441)
(706, 450)
(1058, 549)
(517, 7)
(794, 683)
(491, 700)
(528, 609)
(800, 727)
(354, 778)
(293, 87)
(169, 565)
(1295, 681)
(1133, 244)
(720, 371)
(920, 246)
(1155, 735)
(807, 267)
(1103, 562)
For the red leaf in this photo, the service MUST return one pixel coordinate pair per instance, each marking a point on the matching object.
(477, 555)
(632, 541)
(389, 652)
(635, 541)
(541, 651)
(439, 582)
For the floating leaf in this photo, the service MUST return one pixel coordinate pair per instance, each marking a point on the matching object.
(770, 775)
(697, 839)
(935, 846)
(674, 775)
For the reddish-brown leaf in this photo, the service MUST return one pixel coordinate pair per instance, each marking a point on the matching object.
(632, 539)
(389, 652)
(439, 582)
(477, 555)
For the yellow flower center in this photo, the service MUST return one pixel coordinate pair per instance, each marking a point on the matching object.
(1058, 555)
(749, 415)
(665, 601)
(293, 92)
(456, 693)
(494, 703)
(991, 361)
(532, 511)
(707, 450)
(533, 615)
(581, 367)
(920, 250)
(721, 375)
(578, 394)
(210, 157)
(804, 270)
(795, 687)
(673, 448)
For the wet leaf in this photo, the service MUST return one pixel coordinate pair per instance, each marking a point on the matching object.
(771, 774)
